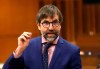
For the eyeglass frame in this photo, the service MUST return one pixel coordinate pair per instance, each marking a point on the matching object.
(54, 23)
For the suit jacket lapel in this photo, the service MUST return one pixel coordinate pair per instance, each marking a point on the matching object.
(39, 51)
(56, 52)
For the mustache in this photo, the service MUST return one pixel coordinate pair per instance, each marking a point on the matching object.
(51, 32)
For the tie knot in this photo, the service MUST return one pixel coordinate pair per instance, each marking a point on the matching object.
(47, 45)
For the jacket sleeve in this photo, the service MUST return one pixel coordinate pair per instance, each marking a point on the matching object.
(75, 62)
(14, 63)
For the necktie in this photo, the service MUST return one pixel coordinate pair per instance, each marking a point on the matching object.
(45, 55)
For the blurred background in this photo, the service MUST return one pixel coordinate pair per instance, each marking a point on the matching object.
(81, 26)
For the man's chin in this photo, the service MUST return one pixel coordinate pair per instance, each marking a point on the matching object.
(50, 39)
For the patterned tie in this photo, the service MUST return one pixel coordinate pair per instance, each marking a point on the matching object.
(45, 55)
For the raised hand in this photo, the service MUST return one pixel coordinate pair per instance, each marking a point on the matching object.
(23, 41)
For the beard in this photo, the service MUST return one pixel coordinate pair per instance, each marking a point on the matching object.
(50, 36)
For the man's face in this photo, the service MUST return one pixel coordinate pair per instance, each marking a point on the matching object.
(50, 28)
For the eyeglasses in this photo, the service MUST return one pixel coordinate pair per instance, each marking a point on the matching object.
(46, 24)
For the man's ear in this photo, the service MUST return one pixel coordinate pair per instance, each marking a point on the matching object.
(38, 26)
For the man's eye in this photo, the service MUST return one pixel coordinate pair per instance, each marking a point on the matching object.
(55, 22)
(46, 23)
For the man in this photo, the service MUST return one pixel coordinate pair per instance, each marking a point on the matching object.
(29, 54)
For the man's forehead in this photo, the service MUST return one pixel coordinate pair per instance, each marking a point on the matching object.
(50, 18)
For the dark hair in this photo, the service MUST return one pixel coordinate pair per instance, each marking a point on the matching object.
(48, 10)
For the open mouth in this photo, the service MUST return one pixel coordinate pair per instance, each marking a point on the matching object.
(51, 34)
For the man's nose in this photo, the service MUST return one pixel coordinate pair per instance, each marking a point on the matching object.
(51, 26)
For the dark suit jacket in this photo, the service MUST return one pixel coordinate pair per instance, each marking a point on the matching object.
(66, 56)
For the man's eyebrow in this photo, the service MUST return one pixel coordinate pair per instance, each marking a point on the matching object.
(45, 21)
(56, 20)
